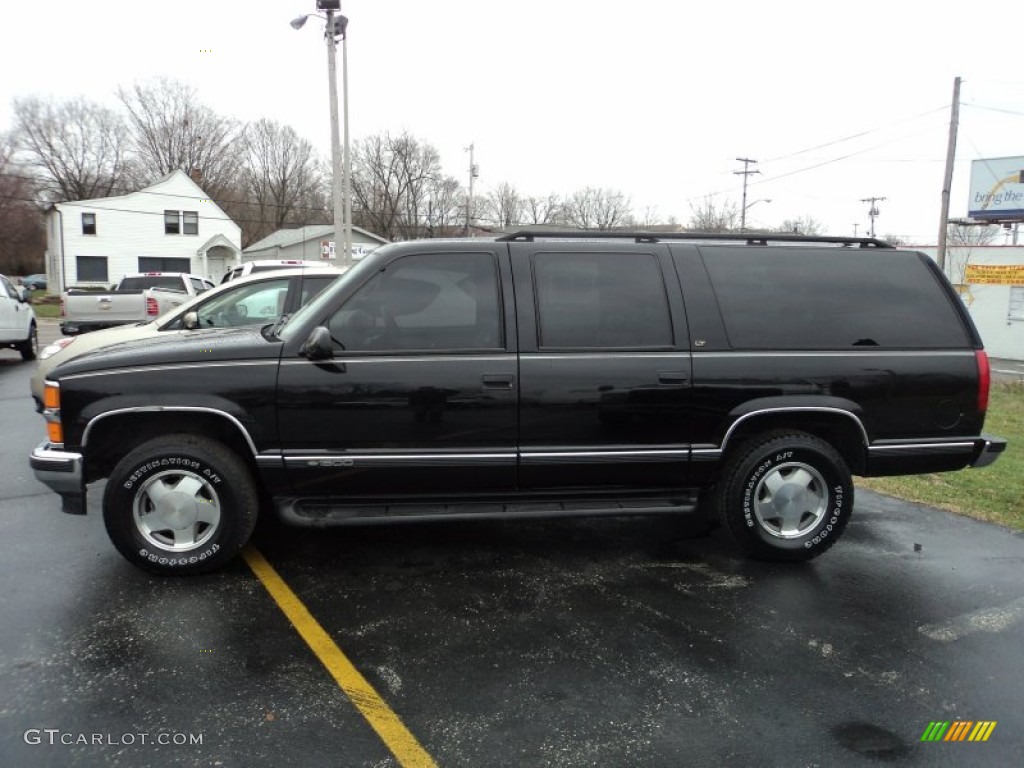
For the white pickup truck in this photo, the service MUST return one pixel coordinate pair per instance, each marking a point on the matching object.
(137, 298)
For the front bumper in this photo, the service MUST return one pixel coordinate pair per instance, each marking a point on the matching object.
(62, 472)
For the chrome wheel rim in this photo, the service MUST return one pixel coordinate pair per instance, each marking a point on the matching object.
(176, 511)
(791, 500)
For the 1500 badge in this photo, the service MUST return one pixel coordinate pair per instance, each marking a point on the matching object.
(330, 463)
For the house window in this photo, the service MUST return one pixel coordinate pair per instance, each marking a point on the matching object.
(191, 222)
(1016, 303)
(88, 223)
(164, 264)
(91, 269)
(172, 222)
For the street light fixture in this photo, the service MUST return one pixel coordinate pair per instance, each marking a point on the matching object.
(747, 207)
(341, 168)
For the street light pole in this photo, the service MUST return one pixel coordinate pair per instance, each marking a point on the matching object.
(341, 168)
(339, 185)
(347, 169)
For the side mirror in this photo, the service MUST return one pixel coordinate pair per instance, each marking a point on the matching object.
(190, 321)
(24, 295)
(318, 346)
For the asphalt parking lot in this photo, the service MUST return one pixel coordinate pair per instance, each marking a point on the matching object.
(611, 642)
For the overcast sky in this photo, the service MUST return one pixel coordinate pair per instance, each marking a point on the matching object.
(837, 101)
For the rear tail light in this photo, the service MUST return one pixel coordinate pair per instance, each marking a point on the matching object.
(984, 379)
(152, 306)
(62, 313)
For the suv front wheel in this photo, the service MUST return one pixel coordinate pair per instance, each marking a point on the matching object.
(180, 505)
(786, 496)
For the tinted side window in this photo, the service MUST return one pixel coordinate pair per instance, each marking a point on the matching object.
(601, 300)
(424, 302)
(311, 286)
(815, 298)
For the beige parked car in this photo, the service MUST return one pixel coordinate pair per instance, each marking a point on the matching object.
(255, 300)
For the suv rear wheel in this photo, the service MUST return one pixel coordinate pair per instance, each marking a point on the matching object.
(786, 496)
(180, 505)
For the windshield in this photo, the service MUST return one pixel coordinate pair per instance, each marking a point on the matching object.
(318, 307)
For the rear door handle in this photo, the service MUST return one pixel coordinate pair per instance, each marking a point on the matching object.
(673, 377)
(498, 380)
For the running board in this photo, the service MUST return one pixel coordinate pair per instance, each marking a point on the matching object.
(319, 513)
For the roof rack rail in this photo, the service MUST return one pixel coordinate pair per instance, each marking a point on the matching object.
(751, 238)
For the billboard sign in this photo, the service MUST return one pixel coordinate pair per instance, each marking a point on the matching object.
(997, 189)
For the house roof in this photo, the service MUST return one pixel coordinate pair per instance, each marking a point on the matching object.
(293, 236)
(149, 188)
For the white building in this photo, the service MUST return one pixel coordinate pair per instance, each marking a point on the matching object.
(309, 243)
(990, 279)
(169, 226)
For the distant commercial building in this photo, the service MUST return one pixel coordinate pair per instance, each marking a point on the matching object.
(311, 242)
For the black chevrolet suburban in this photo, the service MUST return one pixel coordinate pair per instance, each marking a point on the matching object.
(536, 374)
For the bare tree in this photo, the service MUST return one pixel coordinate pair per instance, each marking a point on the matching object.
(171, 130)
(593, 208)
(706, 216)
(78, 149)
(503, 206)
(21, 223)
(392, 178)
(543, 210)
(282, 177)
(802, 225)
(897, 240)
(445, 207)
(961, 241)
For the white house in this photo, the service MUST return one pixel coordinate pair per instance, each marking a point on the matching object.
(990, 280)
(308, 243)
(169, 226)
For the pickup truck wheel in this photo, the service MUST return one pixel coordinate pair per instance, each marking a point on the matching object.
(786, 496)
(29, 348)
(180, 505)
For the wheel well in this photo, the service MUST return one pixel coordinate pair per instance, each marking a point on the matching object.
(841, 432)
(113, 437)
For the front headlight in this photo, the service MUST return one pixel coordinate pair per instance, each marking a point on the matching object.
(52, 349)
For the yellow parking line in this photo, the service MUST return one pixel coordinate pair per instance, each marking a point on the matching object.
(392, 731)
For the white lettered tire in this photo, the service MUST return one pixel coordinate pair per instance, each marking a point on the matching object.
(786, 496)
(180, 505)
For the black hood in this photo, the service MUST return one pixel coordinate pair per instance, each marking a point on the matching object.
(176, 347)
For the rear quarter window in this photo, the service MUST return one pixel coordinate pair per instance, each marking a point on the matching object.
(831, 298)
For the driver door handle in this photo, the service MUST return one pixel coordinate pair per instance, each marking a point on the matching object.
(498, 380)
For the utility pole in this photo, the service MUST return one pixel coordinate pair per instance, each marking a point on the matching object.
(474, 171)
(947, 183)
(873, 210)
(747, 162)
